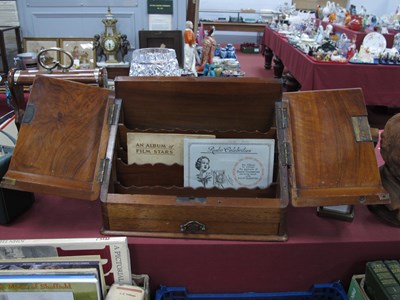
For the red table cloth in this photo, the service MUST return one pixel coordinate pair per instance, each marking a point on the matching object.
(380, 84)
(359, 35)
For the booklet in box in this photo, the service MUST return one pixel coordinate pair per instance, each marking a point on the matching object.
(228, 163)
(152, 148)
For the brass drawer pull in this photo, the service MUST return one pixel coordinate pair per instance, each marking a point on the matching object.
(192, 227)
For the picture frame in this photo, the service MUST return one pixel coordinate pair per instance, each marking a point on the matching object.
(172, 39)
(339, 212)
(82, 51)
(10, 42)
(36, 44)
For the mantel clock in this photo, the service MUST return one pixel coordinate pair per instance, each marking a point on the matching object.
(110, 38)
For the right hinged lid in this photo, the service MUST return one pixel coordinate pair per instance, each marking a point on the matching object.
(326, 149)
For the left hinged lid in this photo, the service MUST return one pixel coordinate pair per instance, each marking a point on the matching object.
(65, 141)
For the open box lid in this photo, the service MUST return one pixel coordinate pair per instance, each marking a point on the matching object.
(326, 146)
(65, 141)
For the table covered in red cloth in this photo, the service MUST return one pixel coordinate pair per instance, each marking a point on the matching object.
(359, 35)
(379, 83)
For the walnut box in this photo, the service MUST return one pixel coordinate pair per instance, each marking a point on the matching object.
(72, 142)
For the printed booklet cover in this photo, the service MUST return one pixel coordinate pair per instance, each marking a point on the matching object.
(153, 148)
(228, 163)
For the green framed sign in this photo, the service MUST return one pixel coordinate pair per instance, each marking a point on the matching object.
(160, 7)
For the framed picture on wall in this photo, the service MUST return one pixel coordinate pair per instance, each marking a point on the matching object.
(81, 50)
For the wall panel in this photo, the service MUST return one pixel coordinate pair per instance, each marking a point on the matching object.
(76, 24)
(75, 3)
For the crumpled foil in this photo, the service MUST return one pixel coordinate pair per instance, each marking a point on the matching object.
(154, 62)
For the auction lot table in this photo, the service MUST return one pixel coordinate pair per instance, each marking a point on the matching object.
(358, 35)
(378, 82)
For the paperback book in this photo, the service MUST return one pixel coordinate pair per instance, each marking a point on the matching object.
(51, 265)
(114, 253)
(50, 287)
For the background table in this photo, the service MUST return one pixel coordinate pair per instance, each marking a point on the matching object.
(378, 82)
(235, 26)
(358, 35)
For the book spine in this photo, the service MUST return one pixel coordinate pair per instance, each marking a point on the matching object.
(380, 284)
(394, 268)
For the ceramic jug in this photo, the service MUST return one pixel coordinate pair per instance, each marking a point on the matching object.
(222, 53)
(230, 51)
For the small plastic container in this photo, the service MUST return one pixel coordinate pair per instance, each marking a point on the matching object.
(330, 291)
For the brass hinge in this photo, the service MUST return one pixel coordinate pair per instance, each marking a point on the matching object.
(102, 169)
(384, 196)
(9, 181)
(282, 118)
(286, 154)
(111, 114)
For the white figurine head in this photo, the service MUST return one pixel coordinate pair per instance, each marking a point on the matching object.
(189, 24)
(211, 32)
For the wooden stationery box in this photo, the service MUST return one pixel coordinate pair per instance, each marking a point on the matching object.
(317, 164)
(324, 153)
(150, 200)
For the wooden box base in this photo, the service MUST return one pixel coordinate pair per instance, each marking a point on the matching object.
(217, 218)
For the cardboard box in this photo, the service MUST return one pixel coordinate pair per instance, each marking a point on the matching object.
(356, 289)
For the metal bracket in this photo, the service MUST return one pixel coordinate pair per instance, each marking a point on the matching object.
(29, 113)
(286, 154)
(361, 129)
(9, 181)
(111, 114)
(282, 117)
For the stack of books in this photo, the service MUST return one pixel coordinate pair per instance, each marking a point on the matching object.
(72, 277)
(63, 269)
(382, 279)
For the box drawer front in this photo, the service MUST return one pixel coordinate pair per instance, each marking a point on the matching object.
(215, 219)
